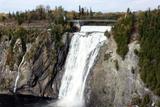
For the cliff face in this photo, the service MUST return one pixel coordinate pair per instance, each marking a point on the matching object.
(116, 82)
(37, 65)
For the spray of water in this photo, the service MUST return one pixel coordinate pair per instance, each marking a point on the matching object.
(84, 48)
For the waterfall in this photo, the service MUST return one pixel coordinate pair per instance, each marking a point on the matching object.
(18, 75)
(84, 48)
(15, 84)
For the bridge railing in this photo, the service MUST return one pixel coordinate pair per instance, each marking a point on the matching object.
(93, 20)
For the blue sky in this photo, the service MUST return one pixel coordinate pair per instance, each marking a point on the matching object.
(96, 5)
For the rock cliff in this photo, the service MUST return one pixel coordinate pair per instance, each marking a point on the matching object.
(115, 82)
(36, 63)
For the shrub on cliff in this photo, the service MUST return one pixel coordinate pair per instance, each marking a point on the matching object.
(56, 33)
(22, 34)
(107, 34)
(122, 32)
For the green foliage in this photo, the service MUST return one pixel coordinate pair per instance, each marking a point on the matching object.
(14, 34)
(158, 104)
(10, 58)
(41, 12)
(136, 100)
(5, 83)
(136, 52)
(107, 56)
(157, 91)
(145, 101)
(20, 18)
(22, 34)
(59, 15)
(117, 65)
(45, 13)
(2, 18)
(26, 36)
(58, 26)
(107, 34)
(122, 32)
(0, 35)
(142, 102)
(84, 13)
(149, 25)
(56, 33)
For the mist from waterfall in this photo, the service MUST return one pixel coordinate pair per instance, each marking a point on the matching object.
(84, 48)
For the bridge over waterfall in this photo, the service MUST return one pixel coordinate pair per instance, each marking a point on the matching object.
(81, 22)
(93, 20)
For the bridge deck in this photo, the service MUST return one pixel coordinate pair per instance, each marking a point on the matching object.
(92, 20)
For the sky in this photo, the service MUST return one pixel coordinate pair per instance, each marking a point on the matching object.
(96, 5)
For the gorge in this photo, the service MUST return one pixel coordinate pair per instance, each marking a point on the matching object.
(90, 76)
(70, 59)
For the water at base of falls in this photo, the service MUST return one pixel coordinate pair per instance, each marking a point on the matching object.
(84, 48)
(22, 101)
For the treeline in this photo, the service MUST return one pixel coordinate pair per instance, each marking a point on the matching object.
(56, 28)
(40, 13)
(149, 29)
(122, 32)
(85, 13)
(46, 13)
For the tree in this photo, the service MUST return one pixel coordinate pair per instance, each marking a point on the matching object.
(41, 12)
(80, 10)
(59, 15)
(91, 13)
(122, 32)
(20, 18)
(9, 15)
(158, 7)
(3, 19)
(148, 27)
(128, 11)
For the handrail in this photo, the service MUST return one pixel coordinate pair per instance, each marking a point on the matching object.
(92, 20)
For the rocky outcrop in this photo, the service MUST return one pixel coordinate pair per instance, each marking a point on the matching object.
(37, 62)
(113, 82)
(116, 82)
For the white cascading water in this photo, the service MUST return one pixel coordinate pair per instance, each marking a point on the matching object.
(18, 75)
(84, 48)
